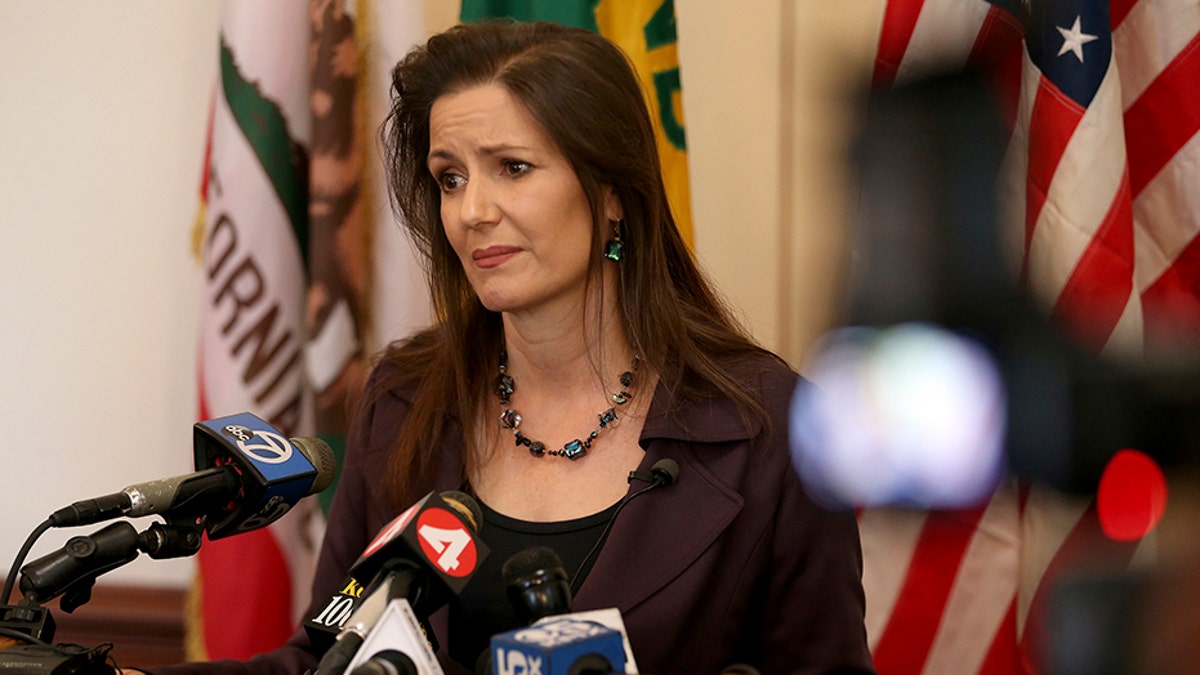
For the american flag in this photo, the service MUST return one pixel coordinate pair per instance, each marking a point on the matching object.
(1103, 189)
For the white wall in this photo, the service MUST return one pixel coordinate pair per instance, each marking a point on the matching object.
(103, 108)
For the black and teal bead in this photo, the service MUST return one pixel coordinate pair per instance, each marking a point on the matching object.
(511, 419)
(574, 449)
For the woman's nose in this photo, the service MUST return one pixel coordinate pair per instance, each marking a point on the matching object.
(478, 207)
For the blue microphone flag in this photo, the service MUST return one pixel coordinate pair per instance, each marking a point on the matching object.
(552, 646)
(253, 446)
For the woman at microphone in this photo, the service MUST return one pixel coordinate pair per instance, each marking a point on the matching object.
(577, 341)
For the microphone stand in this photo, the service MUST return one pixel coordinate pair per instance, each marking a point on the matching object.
(72, 570)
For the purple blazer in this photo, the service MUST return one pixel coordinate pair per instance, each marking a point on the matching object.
(731, 564)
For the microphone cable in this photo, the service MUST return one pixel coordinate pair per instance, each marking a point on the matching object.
(664, 472)
(20, 559)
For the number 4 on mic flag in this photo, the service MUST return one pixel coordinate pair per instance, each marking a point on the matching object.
(438, 533)
(433, 537)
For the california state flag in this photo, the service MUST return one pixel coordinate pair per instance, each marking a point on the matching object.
(290, 200)
(253, 229)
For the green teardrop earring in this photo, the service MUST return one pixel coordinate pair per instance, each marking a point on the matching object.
(612, 249)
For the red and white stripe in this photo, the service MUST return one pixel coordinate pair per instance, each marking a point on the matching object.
(1104, 226)
(1157, 47)
(1078, 223)
(940, 585)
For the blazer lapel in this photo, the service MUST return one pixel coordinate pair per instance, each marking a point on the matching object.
(658, 535)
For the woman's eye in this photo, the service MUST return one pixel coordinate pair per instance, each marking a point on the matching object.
(450, 181)
(515, 167)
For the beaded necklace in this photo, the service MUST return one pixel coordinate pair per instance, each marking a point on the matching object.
(511, 419)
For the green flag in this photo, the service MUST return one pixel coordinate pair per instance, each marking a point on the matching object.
(645, 30)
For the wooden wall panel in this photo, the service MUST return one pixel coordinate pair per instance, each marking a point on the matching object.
(145, 624)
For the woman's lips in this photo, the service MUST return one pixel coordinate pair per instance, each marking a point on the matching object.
(493, 256)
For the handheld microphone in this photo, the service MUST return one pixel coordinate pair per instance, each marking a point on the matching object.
(537, 588)
(559, 646)
(540, 594)
(426, 553)
(355, 630)
(537, 584)
(398, 631)
(249, 475)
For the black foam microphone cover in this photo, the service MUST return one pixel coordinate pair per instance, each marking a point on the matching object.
(665, 471)
(537, 584)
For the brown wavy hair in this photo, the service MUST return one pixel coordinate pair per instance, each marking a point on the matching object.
(583, 92)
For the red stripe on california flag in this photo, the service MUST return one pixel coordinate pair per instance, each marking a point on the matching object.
(242, 631)
(997, 53)
(1099, 287)
(206, 165)
(899, 20)
(905, 644)
(1164, 117)
(1051, 124)
(202, 403)
(1171, 305)
(243, 628)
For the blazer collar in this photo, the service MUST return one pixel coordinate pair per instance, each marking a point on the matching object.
(658, 535)
(707, 418)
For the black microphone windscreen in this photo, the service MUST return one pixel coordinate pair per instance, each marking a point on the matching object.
(537, 584)
(665, 471)
(528, 561)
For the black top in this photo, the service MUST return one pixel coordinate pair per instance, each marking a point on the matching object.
(731, 563)
(483, 608)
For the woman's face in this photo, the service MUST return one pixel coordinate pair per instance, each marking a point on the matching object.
(512, 207)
